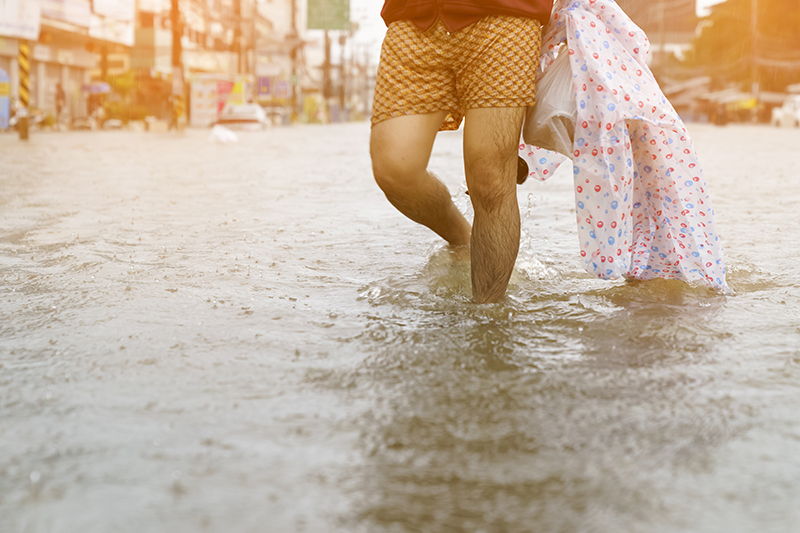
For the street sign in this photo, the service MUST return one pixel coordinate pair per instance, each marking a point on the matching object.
(329, 14)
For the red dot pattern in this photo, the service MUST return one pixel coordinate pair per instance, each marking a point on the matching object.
(642, 205)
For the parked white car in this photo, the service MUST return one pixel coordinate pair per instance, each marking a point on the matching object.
(247, 117)
(788, 114)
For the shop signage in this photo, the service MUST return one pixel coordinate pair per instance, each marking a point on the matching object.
(77, 12)
(116, 9)
(264, 87)
(111, 30)
(20, 18)
(5, 92)
(282, 89)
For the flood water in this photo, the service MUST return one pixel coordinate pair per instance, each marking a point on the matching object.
(198, 337)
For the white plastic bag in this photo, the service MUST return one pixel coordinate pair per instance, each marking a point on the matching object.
(550, 124)
(222, 135)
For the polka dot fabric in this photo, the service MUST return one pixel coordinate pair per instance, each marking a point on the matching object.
(642, 204)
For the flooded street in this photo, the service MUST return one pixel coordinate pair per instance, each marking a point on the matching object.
(249, 338)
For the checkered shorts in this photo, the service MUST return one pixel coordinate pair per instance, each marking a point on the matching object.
(491, 63)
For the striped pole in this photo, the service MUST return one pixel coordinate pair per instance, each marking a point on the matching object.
(24, 61)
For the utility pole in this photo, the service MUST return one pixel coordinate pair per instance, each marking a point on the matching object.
(237, 34)
(326, 68)
(177, 34)
(177, 64)
(754, 85)
(365, 87)
(251, 65)
(104, 63)
(342, 77)
(293, 36)
(662, 38)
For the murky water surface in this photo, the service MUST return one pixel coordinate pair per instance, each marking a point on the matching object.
(196, 337)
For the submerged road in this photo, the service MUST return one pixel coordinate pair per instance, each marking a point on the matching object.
(247, 337)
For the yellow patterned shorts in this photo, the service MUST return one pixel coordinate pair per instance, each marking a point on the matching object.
(491, 63)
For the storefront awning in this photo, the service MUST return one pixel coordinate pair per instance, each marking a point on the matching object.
(99, 87)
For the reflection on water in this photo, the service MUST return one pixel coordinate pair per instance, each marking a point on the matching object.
(565, 409)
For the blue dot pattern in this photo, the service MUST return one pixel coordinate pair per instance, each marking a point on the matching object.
(642, 204)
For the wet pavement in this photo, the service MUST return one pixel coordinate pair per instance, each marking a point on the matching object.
(247, 337)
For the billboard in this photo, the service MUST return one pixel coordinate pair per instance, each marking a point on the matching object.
(112, 30)
(77, 12)
(329, 15)
(20, 19)
(115, 9)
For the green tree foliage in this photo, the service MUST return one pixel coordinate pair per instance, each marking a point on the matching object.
(123, 84)
(724, 47)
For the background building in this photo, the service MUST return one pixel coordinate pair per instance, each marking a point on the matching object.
(117, 55)
(69, 39)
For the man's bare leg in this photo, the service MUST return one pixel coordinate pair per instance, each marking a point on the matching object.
(401, 148)
(491, 142)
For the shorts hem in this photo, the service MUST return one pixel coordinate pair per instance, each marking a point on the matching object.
(485, 103)
(455, 117)
(449, 123)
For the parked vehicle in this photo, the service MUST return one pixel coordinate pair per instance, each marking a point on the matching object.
(279, 115)
(788, 114)
(94, 121)
(247, 117)
(36, 118)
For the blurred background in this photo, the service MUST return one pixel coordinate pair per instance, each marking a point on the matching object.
(148, 63)
(204, 335)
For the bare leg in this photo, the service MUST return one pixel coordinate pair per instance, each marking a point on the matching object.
(401, 148)
(491, 141)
